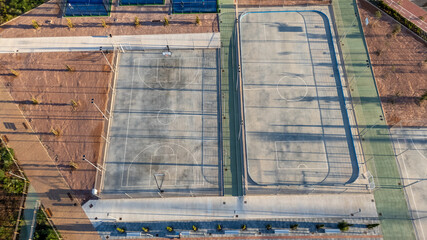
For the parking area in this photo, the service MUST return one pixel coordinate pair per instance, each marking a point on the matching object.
(298, 131)
(164, 136)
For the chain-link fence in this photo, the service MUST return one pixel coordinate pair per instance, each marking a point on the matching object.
(86, 8)
(141, 2)
(194, 6)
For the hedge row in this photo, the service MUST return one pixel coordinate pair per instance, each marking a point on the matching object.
(394, 14)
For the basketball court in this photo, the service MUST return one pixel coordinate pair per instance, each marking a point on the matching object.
(297, 129)
(164, 136)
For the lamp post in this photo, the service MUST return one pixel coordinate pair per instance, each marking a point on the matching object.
(96, 106)
(97, 168)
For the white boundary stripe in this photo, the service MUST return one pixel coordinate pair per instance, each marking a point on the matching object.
(127, 127)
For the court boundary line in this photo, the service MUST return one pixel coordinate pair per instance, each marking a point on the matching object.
(352, 148)
(284, 169)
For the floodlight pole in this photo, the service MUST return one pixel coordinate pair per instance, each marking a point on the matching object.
(93, 102)
(365, 130)
(98, 168)
(103, 54)
(11, 173)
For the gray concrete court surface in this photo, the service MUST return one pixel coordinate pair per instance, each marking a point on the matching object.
(410, 144)
(297, 127)
(164, 137)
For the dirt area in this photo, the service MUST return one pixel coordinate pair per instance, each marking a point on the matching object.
(400, 67)
(44, 77)
(264, 3)
(120, 22)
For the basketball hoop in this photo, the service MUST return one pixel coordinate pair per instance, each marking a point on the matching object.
(159, 177)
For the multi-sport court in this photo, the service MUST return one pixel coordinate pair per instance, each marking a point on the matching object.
(164, 137)
(297, 130)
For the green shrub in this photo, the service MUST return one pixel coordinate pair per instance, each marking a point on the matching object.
(396, 29)
(6, 159)
(198, 22)
(136, 22)
(35, 101)
(320, 226)
(378, 14)
(13, 185)
(373, 225)
(70, 69)
(14, 72)
(166, 21)
(344, 226)
(104, 24)
(43, 229)
(294, 226)
(35, 24)
(423, 97)
(69, 23)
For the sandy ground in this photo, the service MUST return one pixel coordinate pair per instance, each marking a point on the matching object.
(120, 22)
(254, 3)
(400, 67)
(44, 76)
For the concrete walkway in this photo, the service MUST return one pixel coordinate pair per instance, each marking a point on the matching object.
(216, 208)
(93, 43)
(41, 170)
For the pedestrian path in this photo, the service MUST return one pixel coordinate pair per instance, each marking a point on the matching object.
(124, 42)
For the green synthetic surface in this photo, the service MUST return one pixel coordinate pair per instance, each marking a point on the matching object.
(376, 142)
(231, 158)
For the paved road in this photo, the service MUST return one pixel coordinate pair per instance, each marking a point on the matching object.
(93, 43)
(410, 11)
